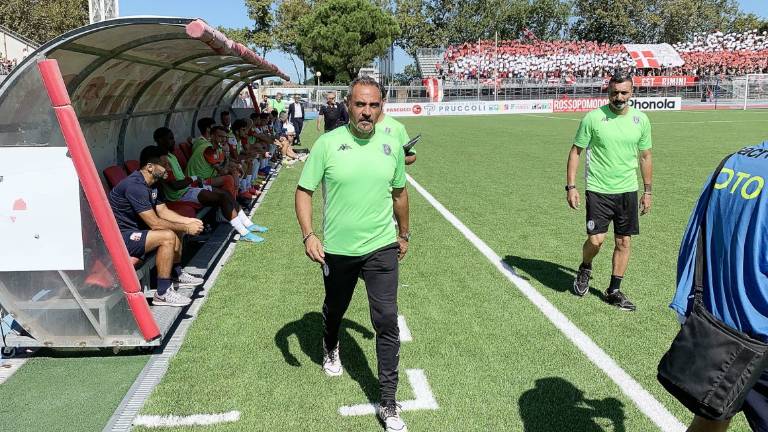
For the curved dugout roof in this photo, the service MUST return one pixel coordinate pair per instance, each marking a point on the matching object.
(128, 76)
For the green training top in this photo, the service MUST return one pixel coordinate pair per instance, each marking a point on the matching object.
(357, 177)
(612, 142)
(395, 129)
(170, 193)
(279, 106)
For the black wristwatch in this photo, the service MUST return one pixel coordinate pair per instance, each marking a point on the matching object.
(569, 187)
(406, 236)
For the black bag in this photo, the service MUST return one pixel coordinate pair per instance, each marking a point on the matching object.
(710, 366)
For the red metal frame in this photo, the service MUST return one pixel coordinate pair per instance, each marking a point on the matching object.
(97, 198)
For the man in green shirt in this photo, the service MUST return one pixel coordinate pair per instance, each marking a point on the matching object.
(613, 136)
(278, 103)
(362, 172)
(390, 126)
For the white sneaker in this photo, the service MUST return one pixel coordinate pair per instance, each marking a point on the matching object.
(186, 280)
(389, 414)
(171, 298)
(332, 362)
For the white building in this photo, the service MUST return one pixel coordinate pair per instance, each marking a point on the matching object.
(13, 49)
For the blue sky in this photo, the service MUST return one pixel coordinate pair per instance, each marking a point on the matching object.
(232, 13)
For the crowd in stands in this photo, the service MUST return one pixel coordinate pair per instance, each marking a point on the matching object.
(716, 53)
(704, 55)
(536, 61)
(224, 168)
(6, 65)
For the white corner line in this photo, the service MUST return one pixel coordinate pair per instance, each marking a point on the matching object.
(644, 401)
(424, 400)
(167, 421)
(405, 332)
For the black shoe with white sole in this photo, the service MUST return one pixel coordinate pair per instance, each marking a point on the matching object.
(618, 299)
(581, 282)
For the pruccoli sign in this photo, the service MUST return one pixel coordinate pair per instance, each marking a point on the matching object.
(468, 108)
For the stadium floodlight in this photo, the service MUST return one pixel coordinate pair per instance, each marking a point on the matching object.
(755, 89)
(101, 10)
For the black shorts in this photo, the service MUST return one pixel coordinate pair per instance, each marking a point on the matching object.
(135, 242)
(755, 406)
(621, 209)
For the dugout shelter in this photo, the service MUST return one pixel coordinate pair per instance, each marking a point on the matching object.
(83, 102)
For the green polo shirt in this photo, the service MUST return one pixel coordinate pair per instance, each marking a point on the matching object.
(279, 106)
(357, 177)
(613, 142)
(392, 127)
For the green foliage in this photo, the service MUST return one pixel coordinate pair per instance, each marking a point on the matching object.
(43, 20)
(341, 36)
(409, 73)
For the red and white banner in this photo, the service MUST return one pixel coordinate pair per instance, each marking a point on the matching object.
(654, 56)
(664, 81)
(643, 104)
(434, 89)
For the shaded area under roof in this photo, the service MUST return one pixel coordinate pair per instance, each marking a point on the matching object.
(128, 76)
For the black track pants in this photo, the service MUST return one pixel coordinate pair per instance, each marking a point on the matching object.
(379, 270)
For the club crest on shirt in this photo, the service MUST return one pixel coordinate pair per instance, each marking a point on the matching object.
(387, 149)
(636, 119)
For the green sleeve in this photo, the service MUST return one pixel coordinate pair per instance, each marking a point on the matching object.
(584, 134)
(646, 142)
(398, 180)
(314, 167)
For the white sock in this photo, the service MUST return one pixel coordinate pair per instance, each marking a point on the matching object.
(245, 220)
(238, 226)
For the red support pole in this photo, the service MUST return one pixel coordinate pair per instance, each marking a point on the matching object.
(97, 199)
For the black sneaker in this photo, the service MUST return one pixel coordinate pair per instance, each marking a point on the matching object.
(581, 282)
(618, 299)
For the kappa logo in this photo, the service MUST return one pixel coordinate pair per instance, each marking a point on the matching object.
(591, 225)
(605, 120)
(154, 194)
(387, 149)
(344, 147)
(636, 119)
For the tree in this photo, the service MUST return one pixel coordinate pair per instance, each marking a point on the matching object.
(43, 20)
(613, 22)
(749, 21)
(340, 36)
(409, 73)
(286, 30)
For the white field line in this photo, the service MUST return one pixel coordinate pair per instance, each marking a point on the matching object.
(647, 404)
(656, 123)
(405, 332)
(551, 117)
(167, 421)
(9, 367)
(424, 400)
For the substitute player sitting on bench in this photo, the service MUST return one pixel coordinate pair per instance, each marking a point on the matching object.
(146, 224)
(177, 187)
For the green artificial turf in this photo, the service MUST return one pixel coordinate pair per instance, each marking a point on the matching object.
(492, 360)
(61, 391)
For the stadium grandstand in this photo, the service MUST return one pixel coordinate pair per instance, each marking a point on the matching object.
(732, 54)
